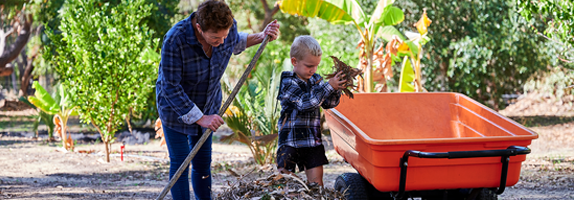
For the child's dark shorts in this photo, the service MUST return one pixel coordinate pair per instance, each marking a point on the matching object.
(305, 158)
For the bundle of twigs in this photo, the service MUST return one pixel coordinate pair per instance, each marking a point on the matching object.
(349, 75)
(277, 186)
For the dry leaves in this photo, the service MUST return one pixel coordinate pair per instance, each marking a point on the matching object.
(349, 72)
(159, 132)
(423, 23)
(277, 186)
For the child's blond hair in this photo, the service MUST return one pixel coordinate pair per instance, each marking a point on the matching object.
(303, 45)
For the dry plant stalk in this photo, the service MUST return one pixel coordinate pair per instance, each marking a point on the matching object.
(349, 75)
(60, 130)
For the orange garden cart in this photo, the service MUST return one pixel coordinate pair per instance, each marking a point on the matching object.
(425, 145)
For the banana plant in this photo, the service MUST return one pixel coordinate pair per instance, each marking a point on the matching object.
(60, 108)
(378, 24)
(411, 50)
(42, 117)
(254, 114)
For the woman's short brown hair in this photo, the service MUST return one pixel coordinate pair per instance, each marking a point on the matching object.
(214, 15)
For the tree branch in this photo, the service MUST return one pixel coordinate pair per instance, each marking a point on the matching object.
(27, 75)
(249, 22)
(11, 52)
(268, 14)
(265, 6)
(275, 10)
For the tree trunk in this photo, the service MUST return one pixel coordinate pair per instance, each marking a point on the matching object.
(107, 151)
(22, 62)
(11, 52)
(25, 78)
(26, 75)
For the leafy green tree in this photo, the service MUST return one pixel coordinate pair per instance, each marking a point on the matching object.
(160, 20)
(480, 48)
(106, 57)
(559, 15)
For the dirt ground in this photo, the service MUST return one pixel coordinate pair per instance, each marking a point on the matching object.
(36, 169)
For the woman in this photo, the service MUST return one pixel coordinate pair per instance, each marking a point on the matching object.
(194, 56)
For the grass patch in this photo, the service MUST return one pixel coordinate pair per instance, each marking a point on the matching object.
(17, 123)
(537, 121)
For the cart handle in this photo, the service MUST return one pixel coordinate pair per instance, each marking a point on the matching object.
(503, 153)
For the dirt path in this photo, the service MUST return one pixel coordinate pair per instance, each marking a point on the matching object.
(32, 169)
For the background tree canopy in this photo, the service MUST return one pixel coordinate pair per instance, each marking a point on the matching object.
(479, 48)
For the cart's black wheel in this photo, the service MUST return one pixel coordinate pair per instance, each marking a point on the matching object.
(352, 185)
(487, 194)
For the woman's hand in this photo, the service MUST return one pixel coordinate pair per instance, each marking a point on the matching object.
(272, 29)
(212, 122)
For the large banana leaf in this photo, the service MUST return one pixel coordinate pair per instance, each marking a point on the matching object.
(334, 11)
(386, 15)
(407, 76)
(378, 12)
(387, 33)
(65, 101)
(43, 100)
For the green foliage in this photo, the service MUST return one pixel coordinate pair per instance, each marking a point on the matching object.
(60, 107)
(43, 100)
(340, 42)
(11, 8)
(44, 117)
(106, 57)
(158, 20)
(557, 83)
(407, 76)
(250, 15)
(558, 14)
(480, 48)
(254, 114)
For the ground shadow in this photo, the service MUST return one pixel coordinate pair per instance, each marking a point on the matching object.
(135, 184)
(537, 121)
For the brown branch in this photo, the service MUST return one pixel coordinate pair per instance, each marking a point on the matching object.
(249, 22)
(265, 6)
(8, 33)
(25, 80)
(12, 52)
(275, 10)
(7, 70)
(268, 14)
(97, 127)
(109, 126)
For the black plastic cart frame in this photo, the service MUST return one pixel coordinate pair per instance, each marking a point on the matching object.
(503, 153)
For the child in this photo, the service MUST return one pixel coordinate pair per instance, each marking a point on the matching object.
(301, 93)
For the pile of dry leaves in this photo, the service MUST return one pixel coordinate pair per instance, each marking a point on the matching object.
(277, 186)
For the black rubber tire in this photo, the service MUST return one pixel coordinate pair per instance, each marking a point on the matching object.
(352, 185)
(487, 194)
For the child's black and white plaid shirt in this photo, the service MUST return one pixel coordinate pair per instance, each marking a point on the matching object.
(300, 120)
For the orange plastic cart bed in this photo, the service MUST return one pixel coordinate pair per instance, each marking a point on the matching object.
(402, 142)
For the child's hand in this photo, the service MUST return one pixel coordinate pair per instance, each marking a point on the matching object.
(336, 81)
